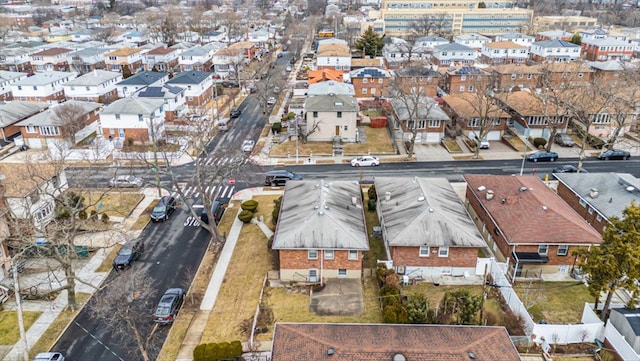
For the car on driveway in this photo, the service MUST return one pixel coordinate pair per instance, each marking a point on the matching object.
(271, 101)
(564, 140)
(542, 156)
(365, 161)
(614, 154)
(247, 145)
(484, 143)
(126, 181)
(129, 252)
(234, 113)
(568, 168)
(163, 209)
(169, 306)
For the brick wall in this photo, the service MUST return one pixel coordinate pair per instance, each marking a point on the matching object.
(138, 135)
(574, 201)
(458, 257)
(298, 259)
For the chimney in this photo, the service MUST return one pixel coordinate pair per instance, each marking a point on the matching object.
(489, 195)
(593, 193)
(387, 196)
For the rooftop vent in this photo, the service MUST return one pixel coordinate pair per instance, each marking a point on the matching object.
(387, 196)
(523, 189)
(421, 199)
(431, 210)
(630, 189)
(330, 351)
(354, 200)
(399, 357)
(593, 193)
(482, 188)
(489, 195)
(471, 355)
(544, 208)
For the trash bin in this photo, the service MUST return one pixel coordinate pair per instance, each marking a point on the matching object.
(82, 251)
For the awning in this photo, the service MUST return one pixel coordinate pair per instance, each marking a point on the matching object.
(529, 257)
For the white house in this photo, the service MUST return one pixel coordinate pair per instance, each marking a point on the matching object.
(51, 59)
(140, 81)
(16, 59)
(6, 79)
(173, 97)
(82, 35)
(555, 51)
(138, 119)
(518, 38)
(198, 86)
(224, 60)
(504, 52)
(331, 116)
(259, 37)
(97, 86)
(475, 41)
(446, 54)
(46, 87)
(195, 59)
(334, 56)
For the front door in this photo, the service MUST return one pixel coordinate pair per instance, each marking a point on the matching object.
(313, 275)
(337, 130)
(121, 133)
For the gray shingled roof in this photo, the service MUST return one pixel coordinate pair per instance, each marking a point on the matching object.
(49, 117)
(428, 109)
(453, 47)
(555, 44)
(319, 214)
(331, 103)
(18, 110)
(424, 211)
(328, 87)
(133, 105)
(613, 196)
(95, 77)
(45, 78)
(144, 78)
(189, 77)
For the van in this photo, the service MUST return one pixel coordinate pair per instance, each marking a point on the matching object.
(276, 178)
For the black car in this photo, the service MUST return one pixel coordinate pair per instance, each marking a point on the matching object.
(614, 154)
(169, 306)
(230, 84)
(234, 113)
(163, 209)
(217, 210)
(542, 156)
(277, 178)
(568, 168)
(129, 252)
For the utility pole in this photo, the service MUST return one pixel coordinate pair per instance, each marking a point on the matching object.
(484, 292)
(23, 335)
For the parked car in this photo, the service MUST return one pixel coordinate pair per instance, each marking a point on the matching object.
(129, 252)
(271, 101)
(564, 140)
(49, 356)
(292, 60)
(230, 84)
(484, 143)
(163, 209)
(217, 211)
(289, 68)
(279, 55)
(366, 161)
(276, 90)
(542, 156)
(247, 145)
(280, 177)
(234, 113)
(568, 168)
(614, 154)
(169, 306)
(126, 181)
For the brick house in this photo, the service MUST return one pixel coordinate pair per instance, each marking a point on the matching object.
(378, 342)
(428, 124)
(56, 59)
(139, 119)
(565, 75)
(596, 197)
(6, 79)
(46, 87)
(607, 49)
(556, 51)
(418, 78)
(198, 86)
(505, 77)
(97, 86)
(503, 52)
(370, 82)
(15, 111)
(162, 58)
(605, 118)
(332, 242)
(331, 115)
(612, 70)
(466, 117)
(130, 57)
(16, 59)
(426, 230)
(531, 116)
(140, 81)
(461, 79)
(527, 224)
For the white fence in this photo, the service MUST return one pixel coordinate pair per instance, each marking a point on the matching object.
(619, 343)
(149, 156)
(100, 149)
(508, 293)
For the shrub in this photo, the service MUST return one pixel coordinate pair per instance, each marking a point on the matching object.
(245, 216)
(199, 352)
(276, 210)
(82, 214)
(94, 215)
(130, 141)
(395, 313)
(276, 127)
(372, 193)
(371, 205)
(249, 205)
(539, 142)
(104, 218)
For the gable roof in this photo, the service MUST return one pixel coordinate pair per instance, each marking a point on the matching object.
(52, 51)
(381, 342)
(45, 78)
(162, 50)
(23, 178)
(526, 104)
(516, 68)
(328, 87)
(333, 50)
(133, 105)
(424, 211)
(613, 192)
(49, 116)
(463, 105)
(126, 51)
(369, 72)
(165, 91)
(316, 76)
(331, 103)
(505, 44)
(17, 110)
(11, 75)
(95, 77)
(320, 215)
(549, 220)
(144, 78)
(428, 109)
(453, 47)
(556, 43)
(190, 77)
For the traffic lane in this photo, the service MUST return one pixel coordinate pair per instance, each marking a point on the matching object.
(172, 250)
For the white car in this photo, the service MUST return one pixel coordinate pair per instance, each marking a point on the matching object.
(271, 101)
(484, 143)
(126, 181)
(365, 161)
(248, 145)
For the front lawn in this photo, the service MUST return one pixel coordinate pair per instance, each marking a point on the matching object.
(9, 333)
(288, 148)
(378, 142)
(113, 202)
(554, 302)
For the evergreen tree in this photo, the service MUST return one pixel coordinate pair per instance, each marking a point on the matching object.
(370, 43)
(126, 72)
(576, 39)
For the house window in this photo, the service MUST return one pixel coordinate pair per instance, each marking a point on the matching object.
(342, 272)
(117, 116)
(380, 80)
(313, 254)
(373, 91)
(434, 123)
(353, 255)
(32, 129)
(339, 115)
(563, 250)
(473, 122)
(43, 212)
(598, 218)
(346, 127)
(443, 251)
(314, 114)
(328, 254)
(35, 87)
(424, 251)
(543, 249)
(470, 88)
(365, 80)
(140, 117)
(364, 90)
(583, 203)
(190, 99)
(462, 88)
(49, 130)
(590, 210)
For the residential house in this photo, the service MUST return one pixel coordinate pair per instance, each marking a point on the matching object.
(332, 242)
(600, 34)
(140, 81)
(512, 210)
(196, 58)
(198, 86)
(226, 60)
(597, 197)
(534, 115)
(627, 323)
(55, 36)
(12, 113)
(97, 86)
(605, 118)
(503, 52)
(330, 116)
(323, 75)
(419, 79)
(398, 52)
(82, 35)
(30, 190)
(6, 79)
(259, 37)
(162, 59)
(566, 75)
(518, 38)
(331, 87)
(16, 59)
(506, 77)
(555, 51)
(607, 49)
(554, 35)
(52, 59)
(136, 37)
(214, 36)
(366, 63)
(46, 87)
(426, 229)
(139, 119)
(333, 56)
(473, 40)
(173, 96)
(89, 59)
(118, 59)
(384, 342)
(425, 44)
(428, 125)
(612, 70)
(463, 79)
(370, 82)
(64, 125)
(467, 116)
(453, 53)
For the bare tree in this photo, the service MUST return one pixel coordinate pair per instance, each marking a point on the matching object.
(625, 104)
(169, 31)
(232, 24)
(531, 294)
(72, 116)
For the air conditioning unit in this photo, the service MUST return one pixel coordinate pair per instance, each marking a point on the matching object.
(401, 270)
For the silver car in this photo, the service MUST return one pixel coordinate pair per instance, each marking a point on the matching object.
(126, 181)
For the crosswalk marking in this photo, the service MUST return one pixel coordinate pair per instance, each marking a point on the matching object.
(213, 191)
(210, 161)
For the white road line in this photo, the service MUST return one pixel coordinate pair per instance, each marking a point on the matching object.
(210, 161)
(206, 190)
(224, 192)
(213, 191)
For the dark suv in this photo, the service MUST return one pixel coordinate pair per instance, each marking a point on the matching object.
(169, 306)
(163, 209)
(129, 252)
(217, 210)
(276, 178)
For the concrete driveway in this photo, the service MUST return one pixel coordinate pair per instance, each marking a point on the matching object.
(339, 297)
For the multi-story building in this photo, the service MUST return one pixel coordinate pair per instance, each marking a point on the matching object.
(6, 79)
(567, 23)
(118, 59)
(334, 56)
(45, 87)
(506, 77)
(56, 59)
(554, 35)
(453, 53)
(87, 60)
(555, 51)
(16, 59)
(198, 86)
(475, 41)
(462, 79)
(162, 58)
(607, 49)
(370, 82)
(517, 38)
(140, 81)
(139, 119)
(97, 86)
(503, 52)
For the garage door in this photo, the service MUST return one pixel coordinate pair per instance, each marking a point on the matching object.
(494, 135)
(433, 137)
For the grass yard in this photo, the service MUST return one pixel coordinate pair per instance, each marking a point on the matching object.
(304, 150)
(376, 246)
(9, 333)
(116, 203)
(452, 146)
(145, 217)
(378, 142)
(554, 302)
(107, 264)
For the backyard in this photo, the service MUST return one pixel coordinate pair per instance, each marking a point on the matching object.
(554, 302)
